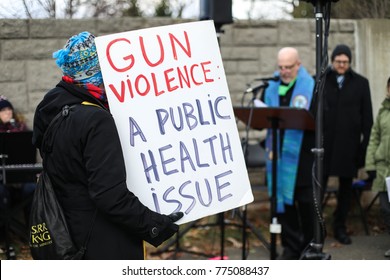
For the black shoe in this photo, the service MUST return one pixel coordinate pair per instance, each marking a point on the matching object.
(343, 238)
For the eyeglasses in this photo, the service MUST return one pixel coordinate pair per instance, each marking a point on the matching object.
(346, 62)
(287, 67)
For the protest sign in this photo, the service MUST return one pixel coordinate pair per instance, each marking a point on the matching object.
(168, 94)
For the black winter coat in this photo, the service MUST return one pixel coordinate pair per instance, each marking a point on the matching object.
(347, 124)
(87, 169)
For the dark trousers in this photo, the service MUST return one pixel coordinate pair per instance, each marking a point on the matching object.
(297, 222)
(344, 196)
(385, 209)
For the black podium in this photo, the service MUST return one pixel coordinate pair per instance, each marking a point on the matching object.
(275, 118)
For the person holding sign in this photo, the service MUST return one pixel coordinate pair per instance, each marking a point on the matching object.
(378, 157)
(172, 108)
(86, 163)
(294, 196)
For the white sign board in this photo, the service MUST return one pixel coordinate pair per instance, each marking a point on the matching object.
(168, 94)
(388, 187)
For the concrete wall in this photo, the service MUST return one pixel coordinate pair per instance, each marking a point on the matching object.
(373, 61)
(27, 70)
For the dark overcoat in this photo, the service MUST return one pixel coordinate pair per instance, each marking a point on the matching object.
(86, 166)
(347, 123)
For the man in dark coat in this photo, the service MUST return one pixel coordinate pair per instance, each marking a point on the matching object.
(347, 124)
(86, 164)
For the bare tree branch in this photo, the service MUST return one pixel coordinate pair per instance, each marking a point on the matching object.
(49, 6)
(26, 9)
(356, 9)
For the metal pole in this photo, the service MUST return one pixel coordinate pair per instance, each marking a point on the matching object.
(318, 238)
(315, 250)
(275, 227)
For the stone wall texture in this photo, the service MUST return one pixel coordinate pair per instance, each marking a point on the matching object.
(248, 48)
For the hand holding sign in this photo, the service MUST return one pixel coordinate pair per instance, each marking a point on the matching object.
(168, 94)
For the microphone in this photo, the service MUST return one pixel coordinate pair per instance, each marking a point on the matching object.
(12, 122)
(262, 84)
(274, 78)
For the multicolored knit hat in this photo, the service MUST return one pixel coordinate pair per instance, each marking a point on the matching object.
(79, 60)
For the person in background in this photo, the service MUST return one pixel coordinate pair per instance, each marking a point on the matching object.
(378, 158)
(86, 165)
(12, 122)
(347, 124)
(294, 195)
(9, 120)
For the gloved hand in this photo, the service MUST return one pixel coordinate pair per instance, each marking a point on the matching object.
(164, 228)
(176, 216)
(371, 175)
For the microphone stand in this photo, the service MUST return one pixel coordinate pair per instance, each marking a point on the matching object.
(314, 251)
(245, 142)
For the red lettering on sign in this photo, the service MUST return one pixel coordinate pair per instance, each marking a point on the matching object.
(129, 57)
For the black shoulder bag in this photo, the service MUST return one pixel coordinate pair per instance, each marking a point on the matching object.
(50, 238)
